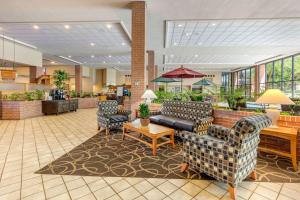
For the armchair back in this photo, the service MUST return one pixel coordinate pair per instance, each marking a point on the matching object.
(109, 107)
(189, 110)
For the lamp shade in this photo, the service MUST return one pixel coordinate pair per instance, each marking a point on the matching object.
(149, 94)
(274, 96)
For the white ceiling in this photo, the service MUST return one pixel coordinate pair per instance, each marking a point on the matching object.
(173, 11)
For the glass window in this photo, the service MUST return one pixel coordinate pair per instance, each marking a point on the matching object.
(277, 71)
(297, 68)
(248, 76)
(287, 69)
(269, 72)
(296, 89)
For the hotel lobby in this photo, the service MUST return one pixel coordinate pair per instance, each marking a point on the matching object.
(158, 100)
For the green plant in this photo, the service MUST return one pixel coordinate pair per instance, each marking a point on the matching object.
(163, 96)
(16, 97)
(27, 96)
(236, 98)
(144, 110)
(73, 94)
(60, 76)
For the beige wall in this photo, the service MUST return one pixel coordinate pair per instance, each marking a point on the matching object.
(121, 79)
(22, 74)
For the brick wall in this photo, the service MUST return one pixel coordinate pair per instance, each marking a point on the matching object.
(137, 53)
(20, 109)
(88, 102)
(78, 78)
(228, 118)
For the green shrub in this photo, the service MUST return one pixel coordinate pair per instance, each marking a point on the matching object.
(27, 96)
(144, 110)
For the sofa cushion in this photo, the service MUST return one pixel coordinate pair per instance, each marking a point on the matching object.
(118, 118)
(155, 119)
(168, 121)
(186, 125)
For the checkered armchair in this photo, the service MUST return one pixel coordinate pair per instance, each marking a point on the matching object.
(110, 116)
(228, 155)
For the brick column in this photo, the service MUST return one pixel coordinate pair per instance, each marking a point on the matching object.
(137, 53)
(256, 81)
(152, 70)
(78, 78)
(34, 73)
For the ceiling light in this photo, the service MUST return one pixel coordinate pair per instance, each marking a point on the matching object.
(52, 62)
(171, 55)
(104, 62)
(179, 25)
(108, 26)
(92, 56)
(123, 43)
(67, 26)
(119, 62)
(213, 24)
(109, 56)
(187, 34)
(196, 56)
(175, 43)
(92, 44)
(69, 56)
(36, 27)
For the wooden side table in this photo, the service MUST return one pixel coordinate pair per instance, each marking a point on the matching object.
(289, 134)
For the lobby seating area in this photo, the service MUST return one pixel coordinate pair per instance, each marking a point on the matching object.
(150, 100)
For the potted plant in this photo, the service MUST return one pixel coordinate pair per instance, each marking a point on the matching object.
(60, 76)
(144, 114)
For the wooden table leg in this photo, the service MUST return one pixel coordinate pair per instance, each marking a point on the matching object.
(172, 139)
(154, 146)
(123, 136)
(294, 153)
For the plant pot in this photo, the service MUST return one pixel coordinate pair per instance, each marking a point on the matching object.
(145, 122)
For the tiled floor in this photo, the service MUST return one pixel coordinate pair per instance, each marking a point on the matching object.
(28, 145)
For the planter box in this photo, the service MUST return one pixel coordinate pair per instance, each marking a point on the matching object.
(229, 117)
(20, 109)
(88, 102)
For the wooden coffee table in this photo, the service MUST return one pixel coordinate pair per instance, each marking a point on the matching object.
(152, 131)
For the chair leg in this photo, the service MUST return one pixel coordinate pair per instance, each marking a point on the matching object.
(184, 167)
(253, 175)
(99, 127)
(106, 131)
(232, 192)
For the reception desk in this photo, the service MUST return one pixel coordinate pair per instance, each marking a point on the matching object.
(59, 106)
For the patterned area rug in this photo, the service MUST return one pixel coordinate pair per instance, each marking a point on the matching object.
(100, 156)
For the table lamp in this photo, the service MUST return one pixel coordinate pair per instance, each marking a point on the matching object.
(275, 98)
(149, 96)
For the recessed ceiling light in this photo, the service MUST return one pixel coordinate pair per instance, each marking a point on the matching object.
(108, 26)
(196, 56)
(36, 27)
(92, 56)
(171, 55)
(123, 43)
(187, 34)
(179, 25)
(109, 56)
(119, 62)
(67, 26)
(213, 24)
(104, 62)
(52, 62)
(175, 43)
(92, 44)
(69, 56)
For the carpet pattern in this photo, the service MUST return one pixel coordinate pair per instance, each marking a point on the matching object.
(101, 156)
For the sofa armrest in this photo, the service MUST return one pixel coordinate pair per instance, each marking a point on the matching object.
(218, 131)
(203, 124)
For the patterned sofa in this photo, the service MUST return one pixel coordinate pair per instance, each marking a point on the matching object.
(190, 116)
(228, 155)
(110, 116)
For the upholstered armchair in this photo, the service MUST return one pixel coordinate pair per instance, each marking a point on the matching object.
(228, 155)
(110, 116)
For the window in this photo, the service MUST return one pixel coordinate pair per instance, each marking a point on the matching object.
(296, 79)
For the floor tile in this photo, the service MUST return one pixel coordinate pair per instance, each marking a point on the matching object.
(104, 193)
(204, 195)
(155, 194)
(167, 187)
(129, 194)
(270, 194)
(191, 189)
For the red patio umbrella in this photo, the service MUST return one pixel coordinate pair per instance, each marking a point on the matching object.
(183, 72)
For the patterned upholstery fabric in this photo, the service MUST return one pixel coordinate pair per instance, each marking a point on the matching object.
(106, 109)
(228, 155)
(199, 112)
